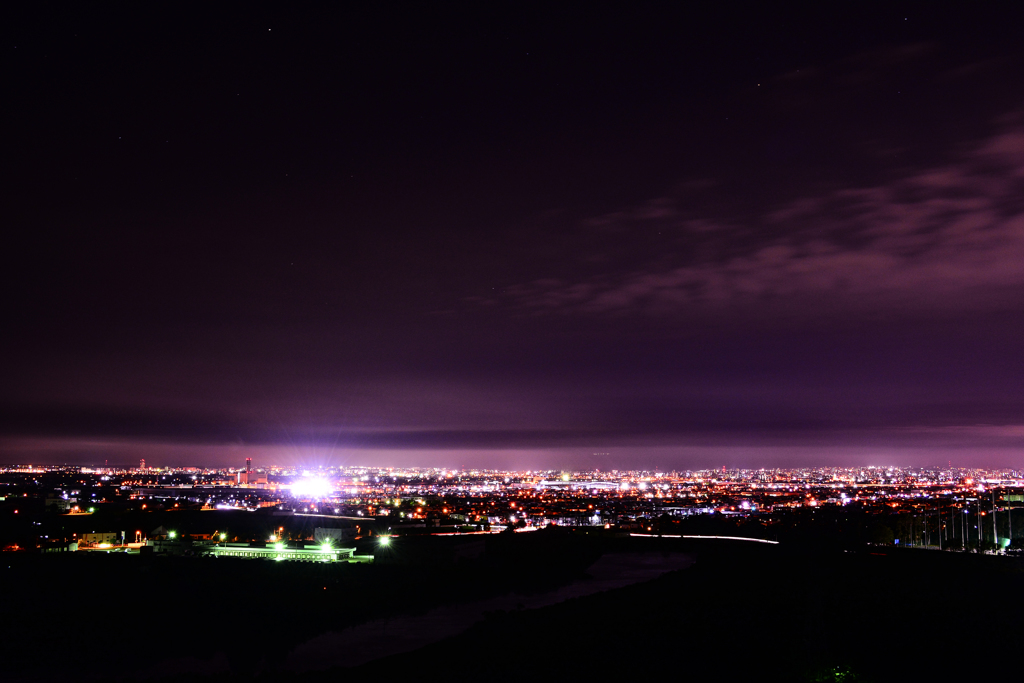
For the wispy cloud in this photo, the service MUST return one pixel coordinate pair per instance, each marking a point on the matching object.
(945, 238)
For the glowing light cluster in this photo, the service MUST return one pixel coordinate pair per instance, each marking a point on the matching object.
(312, 488)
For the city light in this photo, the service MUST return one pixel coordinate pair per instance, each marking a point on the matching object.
(312, 488)
(919, 505)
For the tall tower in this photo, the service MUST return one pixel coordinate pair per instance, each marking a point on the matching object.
(142, 464)
(248, 465)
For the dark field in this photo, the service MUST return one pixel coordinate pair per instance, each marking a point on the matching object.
(742, 612)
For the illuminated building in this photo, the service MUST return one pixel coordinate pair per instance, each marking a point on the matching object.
(250, 478)
(281, 551)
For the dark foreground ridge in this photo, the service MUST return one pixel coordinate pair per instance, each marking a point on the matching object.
(750, 612)
(742, 611)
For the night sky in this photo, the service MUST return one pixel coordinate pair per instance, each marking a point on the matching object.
(571, 236)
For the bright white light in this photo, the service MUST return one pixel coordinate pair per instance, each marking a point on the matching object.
(385, 540)
(311, 488)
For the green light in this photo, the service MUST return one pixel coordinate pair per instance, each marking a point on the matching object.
(325, 547)
(172, 534)
(223, 537)
(92, 509)
(279, 546)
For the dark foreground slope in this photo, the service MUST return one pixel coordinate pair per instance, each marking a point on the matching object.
(756, 613)
(90, 616)
(744, 611)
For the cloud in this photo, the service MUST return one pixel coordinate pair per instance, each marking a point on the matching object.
(948, 238)
(974, 432)
(978, 445)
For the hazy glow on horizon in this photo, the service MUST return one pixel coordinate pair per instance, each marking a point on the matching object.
(978, 447)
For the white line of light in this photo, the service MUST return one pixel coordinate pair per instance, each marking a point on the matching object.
(727, 538)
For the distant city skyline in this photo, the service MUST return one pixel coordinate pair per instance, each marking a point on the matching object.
(127, 453)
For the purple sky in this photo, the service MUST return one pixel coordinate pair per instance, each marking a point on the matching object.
(403, 235)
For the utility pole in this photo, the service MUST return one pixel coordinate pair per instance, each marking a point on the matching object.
(995, 533)
(977, 505)
(951, 536)
(953, 519)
